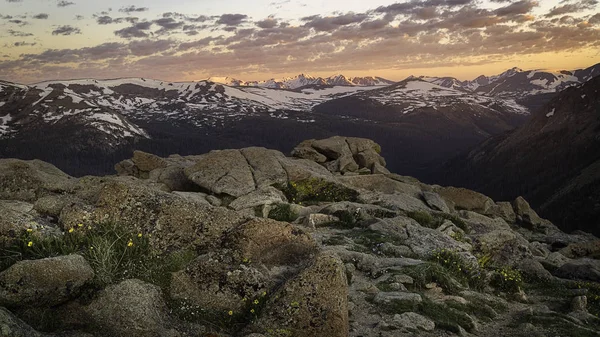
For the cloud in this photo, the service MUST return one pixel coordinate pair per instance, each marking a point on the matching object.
(64, 3)
(24, 44)
(41, 16)
(66, 30)
(269, 22)
(133, 9)
(19, 22)
(232, 19)
(330, 23)
(520, 7)
(18, 33)
(138, 30)
(577, 7)
(169, 23)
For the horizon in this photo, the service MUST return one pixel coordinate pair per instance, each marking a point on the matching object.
(281, 78)
(59, 40)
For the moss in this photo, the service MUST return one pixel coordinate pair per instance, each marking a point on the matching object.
(314, 190)
(445, 317)
(465, 272)
(423, 218)
(428, 220)
(558, 325)
(429, 272)
(283, 212)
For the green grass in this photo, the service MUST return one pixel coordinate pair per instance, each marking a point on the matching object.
(434, 220)
(314, 190)
(282, 212)
(445, 317)
(112, 250)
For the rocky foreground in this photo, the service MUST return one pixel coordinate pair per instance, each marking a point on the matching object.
(253, 243)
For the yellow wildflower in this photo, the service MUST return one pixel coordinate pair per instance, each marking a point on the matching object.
(29, 244)
(139, 235)
(79, 225)
(264, 293)
(252, 310)
(29, 230)
(230, 313)
(255, 301)
(130, 243)
(71, 230)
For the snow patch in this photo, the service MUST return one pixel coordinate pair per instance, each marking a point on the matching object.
(551, 113)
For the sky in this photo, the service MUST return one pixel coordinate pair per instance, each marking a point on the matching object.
(186, 40)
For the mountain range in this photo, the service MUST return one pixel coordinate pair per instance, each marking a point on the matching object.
(304, 80)
(553, 160)
(431, 118)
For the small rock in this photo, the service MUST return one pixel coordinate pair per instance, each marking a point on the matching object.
(413, 321)
(579, 303)
(388, 297)
(525, 213)
(396, 286)
(46, 282)
(404, 279)
(214, 200)
(12, 326)
(317, 220)
(130, 308)
(436, 202)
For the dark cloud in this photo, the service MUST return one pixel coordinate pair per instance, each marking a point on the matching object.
(66, 30)
(327, 24)
(232, 19)
(24, 44)
(520, 7)
(169, 23)
(133, 9)
(18, 22)
(18, 33)
(269, 22)
(595, 19)
(79, 17)
(41, 16)
(577, 7)
(150, 47)
(107, 20)
(138, 30)
(5, 17)
(64, 3)
(198, 43)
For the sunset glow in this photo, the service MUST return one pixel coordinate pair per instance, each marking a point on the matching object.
(182, 40)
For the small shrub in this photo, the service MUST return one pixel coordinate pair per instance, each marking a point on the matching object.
(423, 218)
(507, 279)
(465, 272)
(435, 220)
(429, 272)
(282, 212)
(314, 190)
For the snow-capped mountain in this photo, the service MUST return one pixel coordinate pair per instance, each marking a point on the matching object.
(110, 104)
(516, 83)
(304, 80)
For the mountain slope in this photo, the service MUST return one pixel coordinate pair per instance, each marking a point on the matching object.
(432, 123)
(304, 80)
(552, 160)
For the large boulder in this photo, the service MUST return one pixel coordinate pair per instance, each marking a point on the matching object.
(272, 243)
(343, 154)
(382, 184)
(525, 214)
(147, 162)
(464, 199)
(174, 221)
(27, 180)
(130, 308)
(315, 303)
(265, 165)
(219, 281)
(12, 326)
(223, 172)
(582, 269)
(44, 282)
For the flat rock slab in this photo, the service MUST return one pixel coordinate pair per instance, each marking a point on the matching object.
(223, 172)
